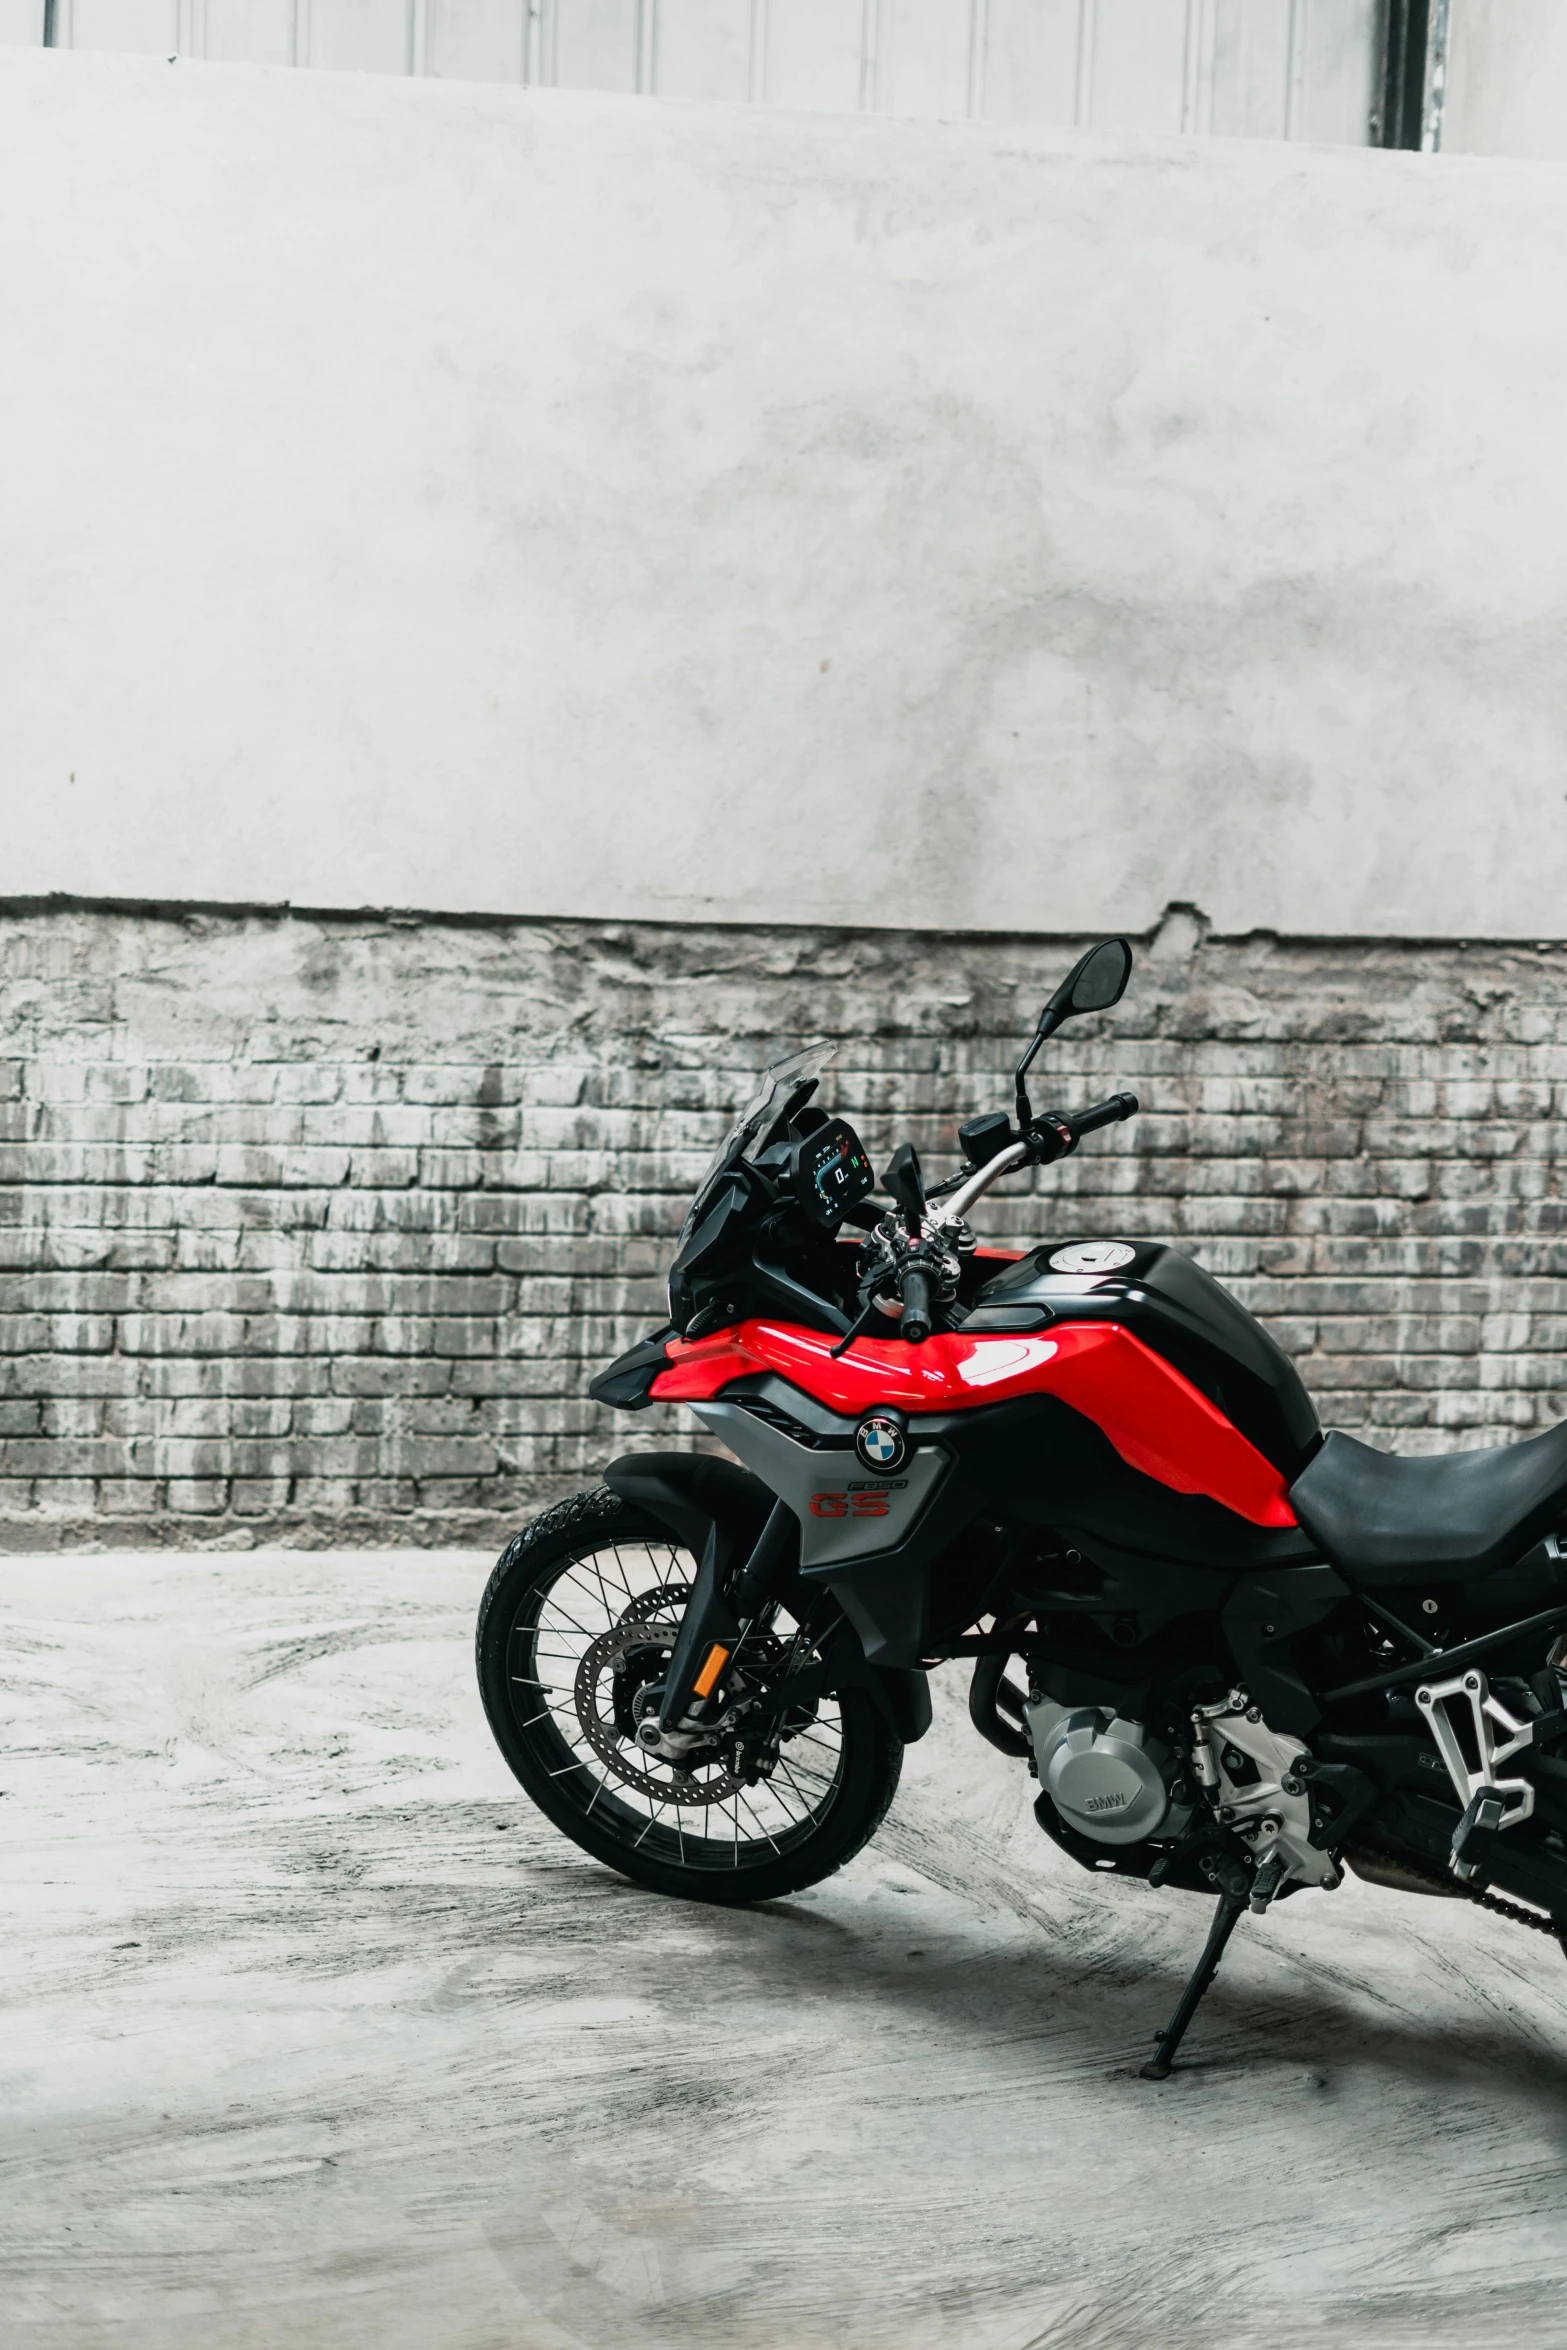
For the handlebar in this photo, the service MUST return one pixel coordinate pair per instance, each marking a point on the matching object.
(1055, 1134)
(1049, 1138)
(1110, 1113)
(914, 1284)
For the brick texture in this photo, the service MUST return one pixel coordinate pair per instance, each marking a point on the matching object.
(315, 1229)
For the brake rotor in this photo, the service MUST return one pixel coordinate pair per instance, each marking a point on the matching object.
(648, 1627)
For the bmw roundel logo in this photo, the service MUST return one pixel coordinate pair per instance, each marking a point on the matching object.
(880, 1442)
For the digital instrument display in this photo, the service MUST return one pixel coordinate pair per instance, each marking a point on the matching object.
(830, 1172)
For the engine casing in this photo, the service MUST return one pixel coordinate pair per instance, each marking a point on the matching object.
(1107, 1777)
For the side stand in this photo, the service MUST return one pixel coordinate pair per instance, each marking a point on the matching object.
(1232, 1908)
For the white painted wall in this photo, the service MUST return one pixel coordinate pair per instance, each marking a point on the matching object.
(1507, 79)
(445, 496)
(1271, 69)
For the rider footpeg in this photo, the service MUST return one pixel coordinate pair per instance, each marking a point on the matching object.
(1271, 1874)
(1474, 1838)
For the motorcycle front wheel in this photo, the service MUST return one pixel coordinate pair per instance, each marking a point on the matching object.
(577, 1622)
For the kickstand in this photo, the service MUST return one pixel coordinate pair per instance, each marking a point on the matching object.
(1232, 1908)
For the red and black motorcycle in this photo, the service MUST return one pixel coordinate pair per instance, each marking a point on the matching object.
(1245, 1654)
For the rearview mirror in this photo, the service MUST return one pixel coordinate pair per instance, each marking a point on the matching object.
(1095, 982)
(1092, 985)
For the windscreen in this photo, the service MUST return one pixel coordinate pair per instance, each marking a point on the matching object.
(752, 1129)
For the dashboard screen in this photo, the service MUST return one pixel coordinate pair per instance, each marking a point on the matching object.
(831, 1172)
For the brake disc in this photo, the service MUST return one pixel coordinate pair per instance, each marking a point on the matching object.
(646, 1628)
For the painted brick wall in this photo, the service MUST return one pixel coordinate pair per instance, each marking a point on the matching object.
(314, 1229)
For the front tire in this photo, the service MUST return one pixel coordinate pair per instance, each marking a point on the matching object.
(574, 1624)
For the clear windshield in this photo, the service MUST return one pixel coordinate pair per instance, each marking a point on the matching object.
(756, 1121)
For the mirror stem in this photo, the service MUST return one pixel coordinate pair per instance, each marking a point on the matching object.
(1042, 1034)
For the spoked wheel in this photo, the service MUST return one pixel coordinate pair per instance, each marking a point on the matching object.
(575, 1633)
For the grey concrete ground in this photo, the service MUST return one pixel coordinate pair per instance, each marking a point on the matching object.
(315, 2034)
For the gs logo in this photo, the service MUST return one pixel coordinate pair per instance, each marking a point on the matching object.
(866, 1502)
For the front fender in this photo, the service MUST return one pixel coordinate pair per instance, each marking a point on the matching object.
(693, 1494)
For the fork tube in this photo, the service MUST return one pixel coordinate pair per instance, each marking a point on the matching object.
(716, 1619)
(758, 1580)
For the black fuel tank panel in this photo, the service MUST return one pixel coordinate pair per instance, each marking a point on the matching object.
(1180, 1311)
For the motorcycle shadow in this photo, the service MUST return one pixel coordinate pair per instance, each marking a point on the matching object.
(1091, 2002)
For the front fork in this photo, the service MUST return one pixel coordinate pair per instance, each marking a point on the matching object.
(716, 1623)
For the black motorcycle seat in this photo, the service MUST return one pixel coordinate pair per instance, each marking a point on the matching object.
(1384, 1520)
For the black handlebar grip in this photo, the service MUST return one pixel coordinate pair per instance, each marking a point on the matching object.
(915, 1286)
(1110, 1113)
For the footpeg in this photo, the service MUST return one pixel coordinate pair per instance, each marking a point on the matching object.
(1474, 1838)
(1271, 1874)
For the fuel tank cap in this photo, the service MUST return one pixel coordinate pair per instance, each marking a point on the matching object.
(1093, 1256)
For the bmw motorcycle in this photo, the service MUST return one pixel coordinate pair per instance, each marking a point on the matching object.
(1237, 1655)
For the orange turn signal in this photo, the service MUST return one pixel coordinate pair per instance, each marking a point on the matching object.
(717, 1658)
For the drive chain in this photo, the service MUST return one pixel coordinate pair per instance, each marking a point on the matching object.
(1497, 1903)
(1511, 1909)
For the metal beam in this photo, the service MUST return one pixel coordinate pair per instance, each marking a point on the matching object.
(1401, 120)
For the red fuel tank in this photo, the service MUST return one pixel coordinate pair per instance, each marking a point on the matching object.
(1157, 1420)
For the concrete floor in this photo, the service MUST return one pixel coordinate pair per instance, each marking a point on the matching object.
(315, 2034)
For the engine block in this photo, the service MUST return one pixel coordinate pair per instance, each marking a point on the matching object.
(1108, 1777)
